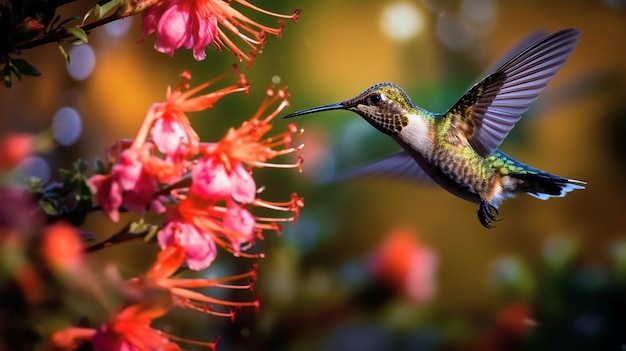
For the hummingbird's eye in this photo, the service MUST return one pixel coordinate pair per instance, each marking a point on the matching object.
(375, 99)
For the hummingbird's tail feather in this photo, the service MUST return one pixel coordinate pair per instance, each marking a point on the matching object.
(545, 185)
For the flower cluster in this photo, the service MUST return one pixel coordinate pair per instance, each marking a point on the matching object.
(210, 184)
(156, 293)
(200, 195)
(209, 194)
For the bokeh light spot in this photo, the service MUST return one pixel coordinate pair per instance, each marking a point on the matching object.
(66, 126)
(454, 31)
(118, 28)
(479, 11)
(35, 166)
(276, 79)
(401, 21)
(82, 61)
(616, 4)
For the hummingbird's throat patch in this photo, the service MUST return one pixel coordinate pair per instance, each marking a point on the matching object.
(385, 117)
(388, 124)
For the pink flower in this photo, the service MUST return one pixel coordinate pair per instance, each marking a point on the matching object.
(168, 135)
(108, 194)
(214, 180)
(239, 220)
(170, 128)
(198, 225)
(179, 23)
(194, 25)
(127, 185)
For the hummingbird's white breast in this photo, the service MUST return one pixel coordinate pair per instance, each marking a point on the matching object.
(417, 134)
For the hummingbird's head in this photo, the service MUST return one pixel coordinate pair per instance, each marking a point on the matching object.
(385, 106)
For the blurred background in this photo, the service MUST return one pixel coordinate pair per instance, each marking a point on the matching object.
(375, 264)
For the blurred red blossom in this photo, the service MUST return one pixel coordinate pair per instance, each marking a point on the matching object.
(15, 148)
(407, 265)
(62, 247)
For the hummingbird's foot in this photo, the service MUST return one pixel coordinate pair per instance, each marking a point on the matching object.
(487, 214)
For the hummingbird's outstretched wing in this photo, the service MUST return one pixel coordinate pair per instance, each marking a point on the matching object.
(519, 47)
(489, 110)
(399, 165)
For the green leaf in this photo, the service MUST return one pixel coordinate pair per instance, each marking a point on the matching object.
(101, 10)
(25, 68)
(65, 174)
(6, 78)
(79, 33)
(137, 226)
(15, 70)
(48, 207)
(151, 233)
(64, 53)
(99, 166)
(81, 166)
(86, 16)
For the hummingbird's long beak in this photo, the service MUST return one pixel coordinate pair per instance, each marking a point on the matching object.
(337, 106)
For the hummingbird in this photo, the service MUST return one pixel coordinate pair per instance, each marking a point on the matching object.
(458, 149)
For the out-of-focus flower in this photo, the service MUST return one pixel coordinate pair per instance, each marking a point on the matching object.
(15, 148)
(130, 330)
(220, 177)
(195, 24)
(69, 339)
(62, 247)
(512, 324)
(407, 265)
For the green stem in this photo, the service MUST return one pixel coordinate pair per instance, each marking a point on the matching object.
(123, 235)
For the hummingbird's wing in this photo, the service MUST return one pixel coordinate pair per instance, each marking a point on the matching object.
(489, 110)
(399, 165)
(519, 47)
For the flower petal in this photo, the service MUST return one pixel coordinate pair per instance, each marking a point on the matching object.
(199, 248)
(243, 185)
(210, 180)
(168, 134)
(173, 30)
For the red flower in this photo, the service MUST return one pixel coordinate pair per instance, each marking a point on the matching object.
(15, 148)
(130, 330)
(407, 265)
(160, 277)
